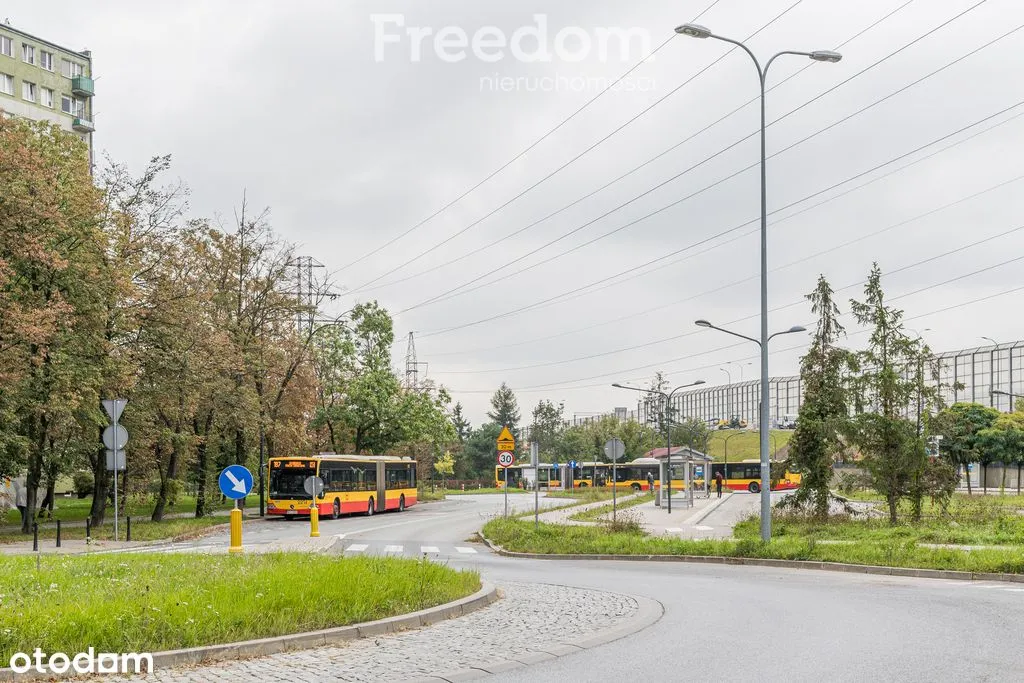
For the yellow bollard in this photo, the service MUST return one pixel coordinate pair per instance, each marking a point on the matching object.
(314, 522)
(236, 531)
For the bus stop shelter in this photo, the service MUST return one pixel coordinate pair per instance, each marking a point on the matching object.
(689, 465)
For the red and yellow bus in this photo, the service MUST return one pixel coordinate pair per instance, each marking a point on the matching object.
(351, 484)
(746, 476)
(548, 475)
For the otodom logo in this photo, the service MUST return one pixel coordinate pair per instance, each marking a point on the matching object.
(89, 662)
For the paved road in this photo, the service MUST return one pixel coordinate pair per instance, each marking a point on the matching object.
(721, 622)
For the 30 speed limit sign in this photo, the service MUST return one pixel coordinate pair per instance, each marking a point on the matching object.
(505, 459)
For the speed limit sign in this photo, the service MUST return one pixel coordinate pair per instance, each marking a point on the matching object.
(505, 459)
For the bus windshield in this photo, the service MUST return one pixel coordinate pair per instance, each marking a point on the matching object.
(287, 479)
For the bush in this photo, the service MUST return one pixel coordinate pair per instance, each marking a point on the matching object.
(84, 483)
(174, 490)
(626, 521)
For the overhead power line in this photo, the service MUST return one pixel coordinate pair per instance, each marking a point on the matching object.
(467, 287)
(558, 170)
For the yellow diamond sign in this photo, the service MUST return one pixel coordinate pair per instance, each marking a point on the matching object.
(506, 442)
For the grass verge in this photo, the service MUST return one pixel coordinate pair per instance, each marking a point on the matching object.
(148, 603)
(561, 540)
(178, 528)
(77, 509)
(595, 514)
(743, 444)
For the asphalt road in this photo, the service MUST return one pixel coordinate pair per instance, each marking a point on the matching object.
(730, 622)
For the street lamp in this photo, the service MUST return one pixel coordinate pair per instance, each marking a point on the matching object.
(666, 421)
(762, 427)
(728, 395)
(696, 31)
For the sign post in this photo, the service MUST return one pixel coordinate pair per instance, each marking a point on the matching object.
(614, 449)
(506, 447)
(235, 483)
(535, 461)
(314, 486)
(114, 438)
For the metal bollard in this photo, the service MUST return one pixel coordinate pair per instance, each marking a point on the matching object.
(88, 529)
(58, 533)
(314, 522)
(128, 532)
(35, 537)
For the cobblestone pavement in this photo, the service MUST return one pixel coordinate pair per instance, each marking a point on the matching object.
(530, 618)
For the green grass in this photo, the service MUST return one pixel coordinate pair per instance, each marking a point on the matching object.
(473, 492)
(148, 603)
(595, 514)
(76, 509)
(744, 445)
(428, 496)
(557, 539)
(588, 494)
(142, 530)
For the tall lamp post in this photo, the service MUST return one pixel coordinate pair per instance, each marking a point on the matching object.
(696, 31)
(666, 421)
(762, 427)
(728, 394)
(992, 371)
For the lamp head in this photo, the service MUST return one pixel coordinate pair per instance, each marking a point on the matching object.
(693, 30)
(796, 328)
(702, 323)
(700, 381)
(825, 56)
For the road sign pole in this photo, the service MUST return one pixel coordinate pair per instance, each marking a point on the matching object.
(115, 479)
(535, 458)
(236, 530)
(615, 490)
(506, 492)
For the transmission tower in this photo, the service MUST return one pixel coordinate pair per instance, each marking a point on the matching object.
(412, 367)
(306, 290)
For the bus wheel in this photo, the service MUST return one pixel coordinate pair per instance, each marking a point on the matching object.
(369, 508)
(754, 487)
(636, 488)
(584, 485)
(401, 503)
(336, 511)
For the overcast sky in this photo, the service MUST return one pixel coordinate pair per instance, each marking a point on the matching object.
(289, 102)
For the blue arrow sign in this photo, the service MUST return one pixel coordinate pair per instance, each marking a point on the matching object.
(572, 464)
(235, 482)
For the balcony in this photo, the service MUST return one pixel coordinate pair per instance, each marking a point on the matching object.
(82, 86)
(83, 124)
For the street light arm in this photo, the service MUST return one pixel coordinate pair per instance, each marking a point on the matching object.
(735, 334)
(757, 64)
(779, 54)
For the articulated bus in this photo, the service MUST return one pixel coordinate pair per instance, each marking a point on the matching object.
(548, 475)
(627, 475)
(351, 484)
(746, 476)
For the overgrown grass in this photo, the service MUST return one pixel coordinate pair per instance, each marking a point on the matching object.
(468, 492)
(595, 514)
(428, 496)
(148, 603)
(558, 539)
(969, 520)
(77, 509)
(588, 494)
(142, 530)
(744, 445)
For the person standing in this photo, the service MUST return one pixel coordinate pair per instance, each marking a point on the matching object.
(718, 483)
(650, 481)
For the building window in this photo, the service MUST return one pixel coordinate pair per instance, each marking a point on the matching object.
(28, 91)
(28, 53)
(46, 60)
(71, 69)
(6, 84)
(46, 97)
(66, 104)
(6, 46)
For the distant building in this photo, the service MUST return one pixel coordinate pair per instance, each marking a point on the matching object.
(43, 81)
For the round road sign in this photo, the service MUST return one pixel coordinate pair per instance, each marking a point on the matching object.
(505, 459)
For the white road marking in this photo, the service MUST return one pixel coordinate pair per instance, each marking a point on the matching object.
(1015, 590)
(673, 530)
(356, 548)
(986, 585)
(465, 551)
(430, 549)
(704, 528)
(392, 548)
(340, 537)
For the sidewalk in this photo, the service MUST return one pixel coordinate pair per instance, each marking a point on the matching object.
(685, 521)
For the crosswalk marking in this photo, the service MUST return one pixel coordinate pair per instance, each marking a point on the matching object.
(430, 549)
(704, 528)
(465, 551)
(356, 548)
(392, 548)
(673, 530)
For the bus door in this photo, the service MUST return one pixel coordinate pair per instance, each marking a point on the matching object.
(382, 486)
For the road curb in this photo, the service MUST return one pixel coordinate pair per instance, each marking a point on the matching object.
(764, 562)
(649, 612)
(487, 594)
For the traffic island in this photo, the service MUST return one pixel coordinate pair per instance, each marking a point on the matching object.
(184, 609)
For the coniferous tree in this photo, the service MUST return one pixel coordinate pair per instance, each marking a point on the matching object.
(505, 409)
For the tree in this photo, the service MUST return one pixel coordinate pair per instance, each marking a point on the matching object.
(480, 452)
(505, 409)
(445, 466)
(960, 426)
(825, 410)
(893, 448)
(546, 428)
(460, 423)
